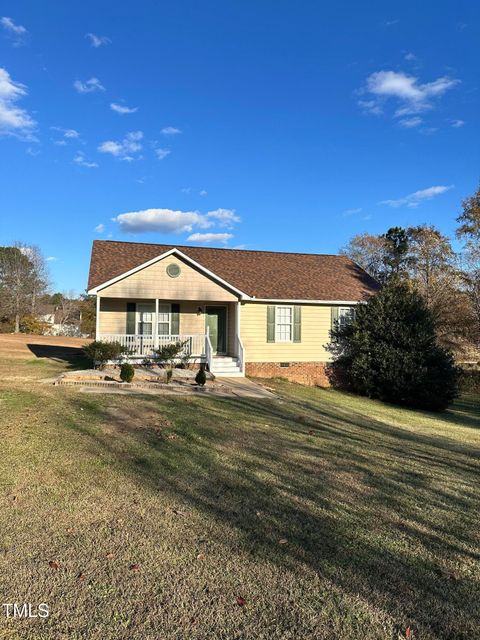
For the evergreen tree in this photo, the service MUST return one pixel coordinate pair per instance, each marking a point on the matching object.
(390, 352)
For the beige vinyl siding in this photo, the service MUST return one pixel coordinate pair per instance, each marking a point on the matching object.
(154, 282)
(316, 324)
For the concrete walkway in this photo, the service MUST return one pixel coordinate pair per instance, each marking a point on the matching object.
(246, 388)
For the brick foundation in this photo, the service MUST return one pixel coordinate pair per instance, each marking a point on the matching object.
(308, 373)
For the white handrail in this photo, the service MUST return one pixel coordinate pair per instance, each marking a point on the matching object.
(208, 350)
(240, 351)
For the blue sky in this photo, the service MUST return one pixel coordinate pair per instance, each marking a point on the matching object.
(267, 125)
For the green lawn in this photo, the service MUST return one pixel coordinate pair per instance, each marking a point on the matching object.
(148, 517)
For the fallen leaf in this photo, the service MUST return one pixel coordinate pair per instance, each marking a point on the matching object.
(53, 564)
(109, 556)
(241, 601)
(179, 513)
(311, 432)
(81, 577)
(70, 530)
(172, 436)
(283, 541)
(201, 556)
(134, 567)
(408, 632)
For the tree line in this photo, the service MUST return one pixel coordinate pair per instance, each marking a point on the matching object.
(424, 259)
(25, 297)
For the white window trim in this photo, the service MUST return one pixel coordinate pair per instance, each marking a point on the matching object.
(140, 310)
(169, 305)
(348, 313)
(284, 306)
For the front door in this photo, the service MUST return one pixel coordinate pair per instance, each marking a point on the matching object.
(217, 324)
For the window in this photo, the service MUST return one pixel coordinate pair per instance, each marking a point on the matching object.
(283, 324)
(145, 319)
(164, 320)
(173, 270)
(345, 315)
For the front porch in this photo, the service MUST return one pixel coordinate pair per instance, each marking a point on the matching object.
(209, 331)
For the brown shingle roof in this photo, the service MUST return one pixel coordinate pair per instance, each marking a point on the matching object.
(259, 274)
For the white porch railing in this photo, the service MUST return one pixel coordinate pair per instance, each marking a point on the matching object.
(144, 345)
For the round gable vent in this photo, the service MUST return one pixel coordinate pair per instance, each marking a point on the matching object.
(173, 270)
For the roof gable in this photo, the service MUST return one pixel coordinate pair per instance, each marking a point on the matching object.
(264, 275)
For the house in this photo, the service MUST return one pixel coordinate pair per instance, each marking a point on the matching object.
(259, 313)
(61, 319)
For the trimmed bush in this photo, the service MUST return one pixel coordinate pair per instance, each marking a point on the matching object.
(389, 351)
(99, 353)
(168, 353)
(168, 376)
(201, 377)
(127, 372)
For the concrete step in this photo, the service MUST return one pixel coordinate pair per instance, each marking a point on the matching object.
(229, 374)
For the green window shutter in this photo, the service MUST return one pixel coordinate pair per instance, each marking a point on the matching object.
(297, 324)
(175, 319)
(131, 317)
(270, 323)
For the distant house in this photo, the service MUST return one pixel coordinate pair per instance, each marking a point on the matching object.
(60, 320)
(260, 313)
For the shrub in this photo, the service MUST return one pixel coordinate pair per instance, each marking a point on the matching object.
(168, 376)
(30, 324)
(99, 353)
(389, 351)
(127, 372)
(201, 377)
(168, 353)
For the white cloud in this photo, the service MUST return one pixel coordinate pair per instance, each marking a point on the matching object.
(16, 31)
(9, 25)
(100, 228)
(171, 221)
(93, 84)
(351, 212)
(456, 124)
(207, 238)
(162, 220)
(203, 192)
(97, 41)
(411, 123)
(413, 200)
(411, 96)
(410, 57)
(121, 108)
(80, 159)
(223, 217)
(67, 134)
(13, 119)
(124, 149)
(162, 153)
(170, 131)
(51, 259)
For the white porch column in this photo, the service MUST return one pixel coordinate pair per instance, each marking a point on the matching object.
(97, 319)
(155, 326)
(237, 327)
